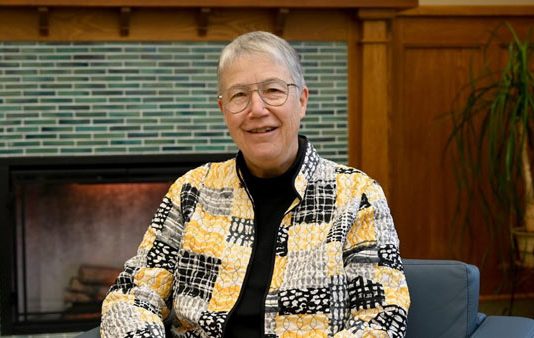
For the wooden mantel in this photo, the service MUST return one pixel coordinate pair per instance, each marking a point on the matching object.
(400, 4)
(365, 25)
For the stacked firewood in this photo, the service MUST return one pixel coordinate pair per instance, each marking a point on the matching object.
(87, 290)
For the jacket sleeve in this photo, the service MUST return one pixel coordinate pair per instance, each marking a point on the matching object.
(140, 299)
(378, 295)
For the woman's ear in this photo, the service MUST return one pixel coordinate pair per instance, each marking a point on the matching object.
(303, 100)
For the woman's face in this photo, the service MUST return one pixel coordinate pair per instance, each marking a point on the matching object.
(266, 135)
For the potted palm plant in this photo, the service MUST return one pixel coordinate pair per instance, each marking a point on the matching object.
(494, 138)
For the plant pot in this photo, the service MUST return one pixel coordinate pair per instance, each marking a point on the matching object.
(524, 241)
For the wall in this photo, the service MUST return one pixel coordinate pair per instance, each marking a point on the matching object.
(131, 98)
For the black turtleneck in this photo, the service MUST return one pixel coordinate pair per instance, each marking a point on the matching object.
(271, 198)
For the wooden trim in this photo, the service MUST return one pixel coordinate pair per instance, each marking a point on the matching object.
(376, 97)
(468, 11)
(354, 98)
(218, 3)
(158, 24)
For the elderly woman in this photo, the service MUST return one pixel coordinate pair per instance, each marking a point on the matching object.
(277, 242)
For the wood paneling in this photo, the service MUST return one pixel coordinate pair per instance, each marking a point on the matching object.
(434, 50)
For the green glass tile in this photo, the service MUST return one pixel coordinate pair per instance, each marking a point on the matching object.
(42, 151)
(57, 129)
(39, 121)
(162, 113)
(177, 148)
(156, 56)
(140, 78)
(176, 120)
(124, 114)
(40, 136)
(175, 50)
(74, 136)
(24, 144)
(76, 150)
(58, 143)
(139, 49)
(20, 72)
(107, 92)
(125, 128)
(8, 49)
(86, 85)
(172, 64)
(214, 148)
(140, 92)
(155, 71)
(92, 70)
(141, 106)
(142, 135)
(175, 134)
(126, 99)
(141, 64)
(88, 99)
(90, 128)
(193, 127)
(72, 79)
(108, 121)
(55, 85)
(123, 85)
(91, 114)
(57, 115)
(110, 107)
(21, 115)
(175, 106)
(91, 143)
(159, 99)
(108, 135)
(54, 57)
(72, 50)
(158, 128)
(125, 142)
(21, 100)
(208, 134)
(11, 151)
(91, 56)
(141, 121)
(74, 121)
(104, 65)
(55, 100)
(39, 93)
(160, 142)
(9, 64)
(26, 129)
(158, 85)
(192, 141)
(105, 49)
(205, 49)
(107, 78)
(124, 71)
(110, 150)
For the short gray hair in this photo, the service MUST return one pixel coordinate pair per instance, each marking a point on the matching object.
(263, 43)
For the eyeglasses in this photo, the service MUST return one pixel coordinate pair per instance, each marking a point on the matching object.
(272, 92)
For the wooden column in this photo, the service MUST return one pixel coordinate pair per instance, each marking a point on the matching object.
(375, 94)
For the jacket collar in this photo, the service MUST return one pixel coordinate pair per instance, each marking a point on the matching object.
(308, 165)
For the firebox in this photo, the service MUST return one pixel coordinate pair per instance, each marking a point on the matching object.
(68, 225)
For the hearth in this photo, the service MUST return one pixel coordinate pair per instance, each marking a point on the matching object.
(68, 224)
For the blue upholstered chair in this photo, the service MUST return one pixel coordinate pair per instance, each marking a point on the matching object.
(445, 304)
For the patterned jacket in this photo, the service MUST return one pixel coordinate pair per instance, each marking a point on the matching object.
(337, 269)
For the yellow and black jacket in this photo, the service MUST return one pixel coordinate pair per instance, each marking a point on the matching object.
(337, 269)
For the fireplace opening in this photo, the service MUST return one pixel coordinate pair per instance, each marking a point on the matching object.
(70, 224)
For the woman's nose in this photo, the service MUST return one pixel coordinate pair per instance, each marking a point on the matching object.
(257, 106)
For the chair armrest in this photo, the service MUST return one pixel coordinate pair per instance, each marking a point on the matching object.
(93, 333)
(503, 326)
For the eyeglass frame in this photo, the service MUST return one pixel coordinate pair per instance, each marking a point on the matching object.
(220, 97)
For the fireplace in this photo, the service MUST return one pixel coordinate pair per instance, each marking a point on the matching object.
(69, 223)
